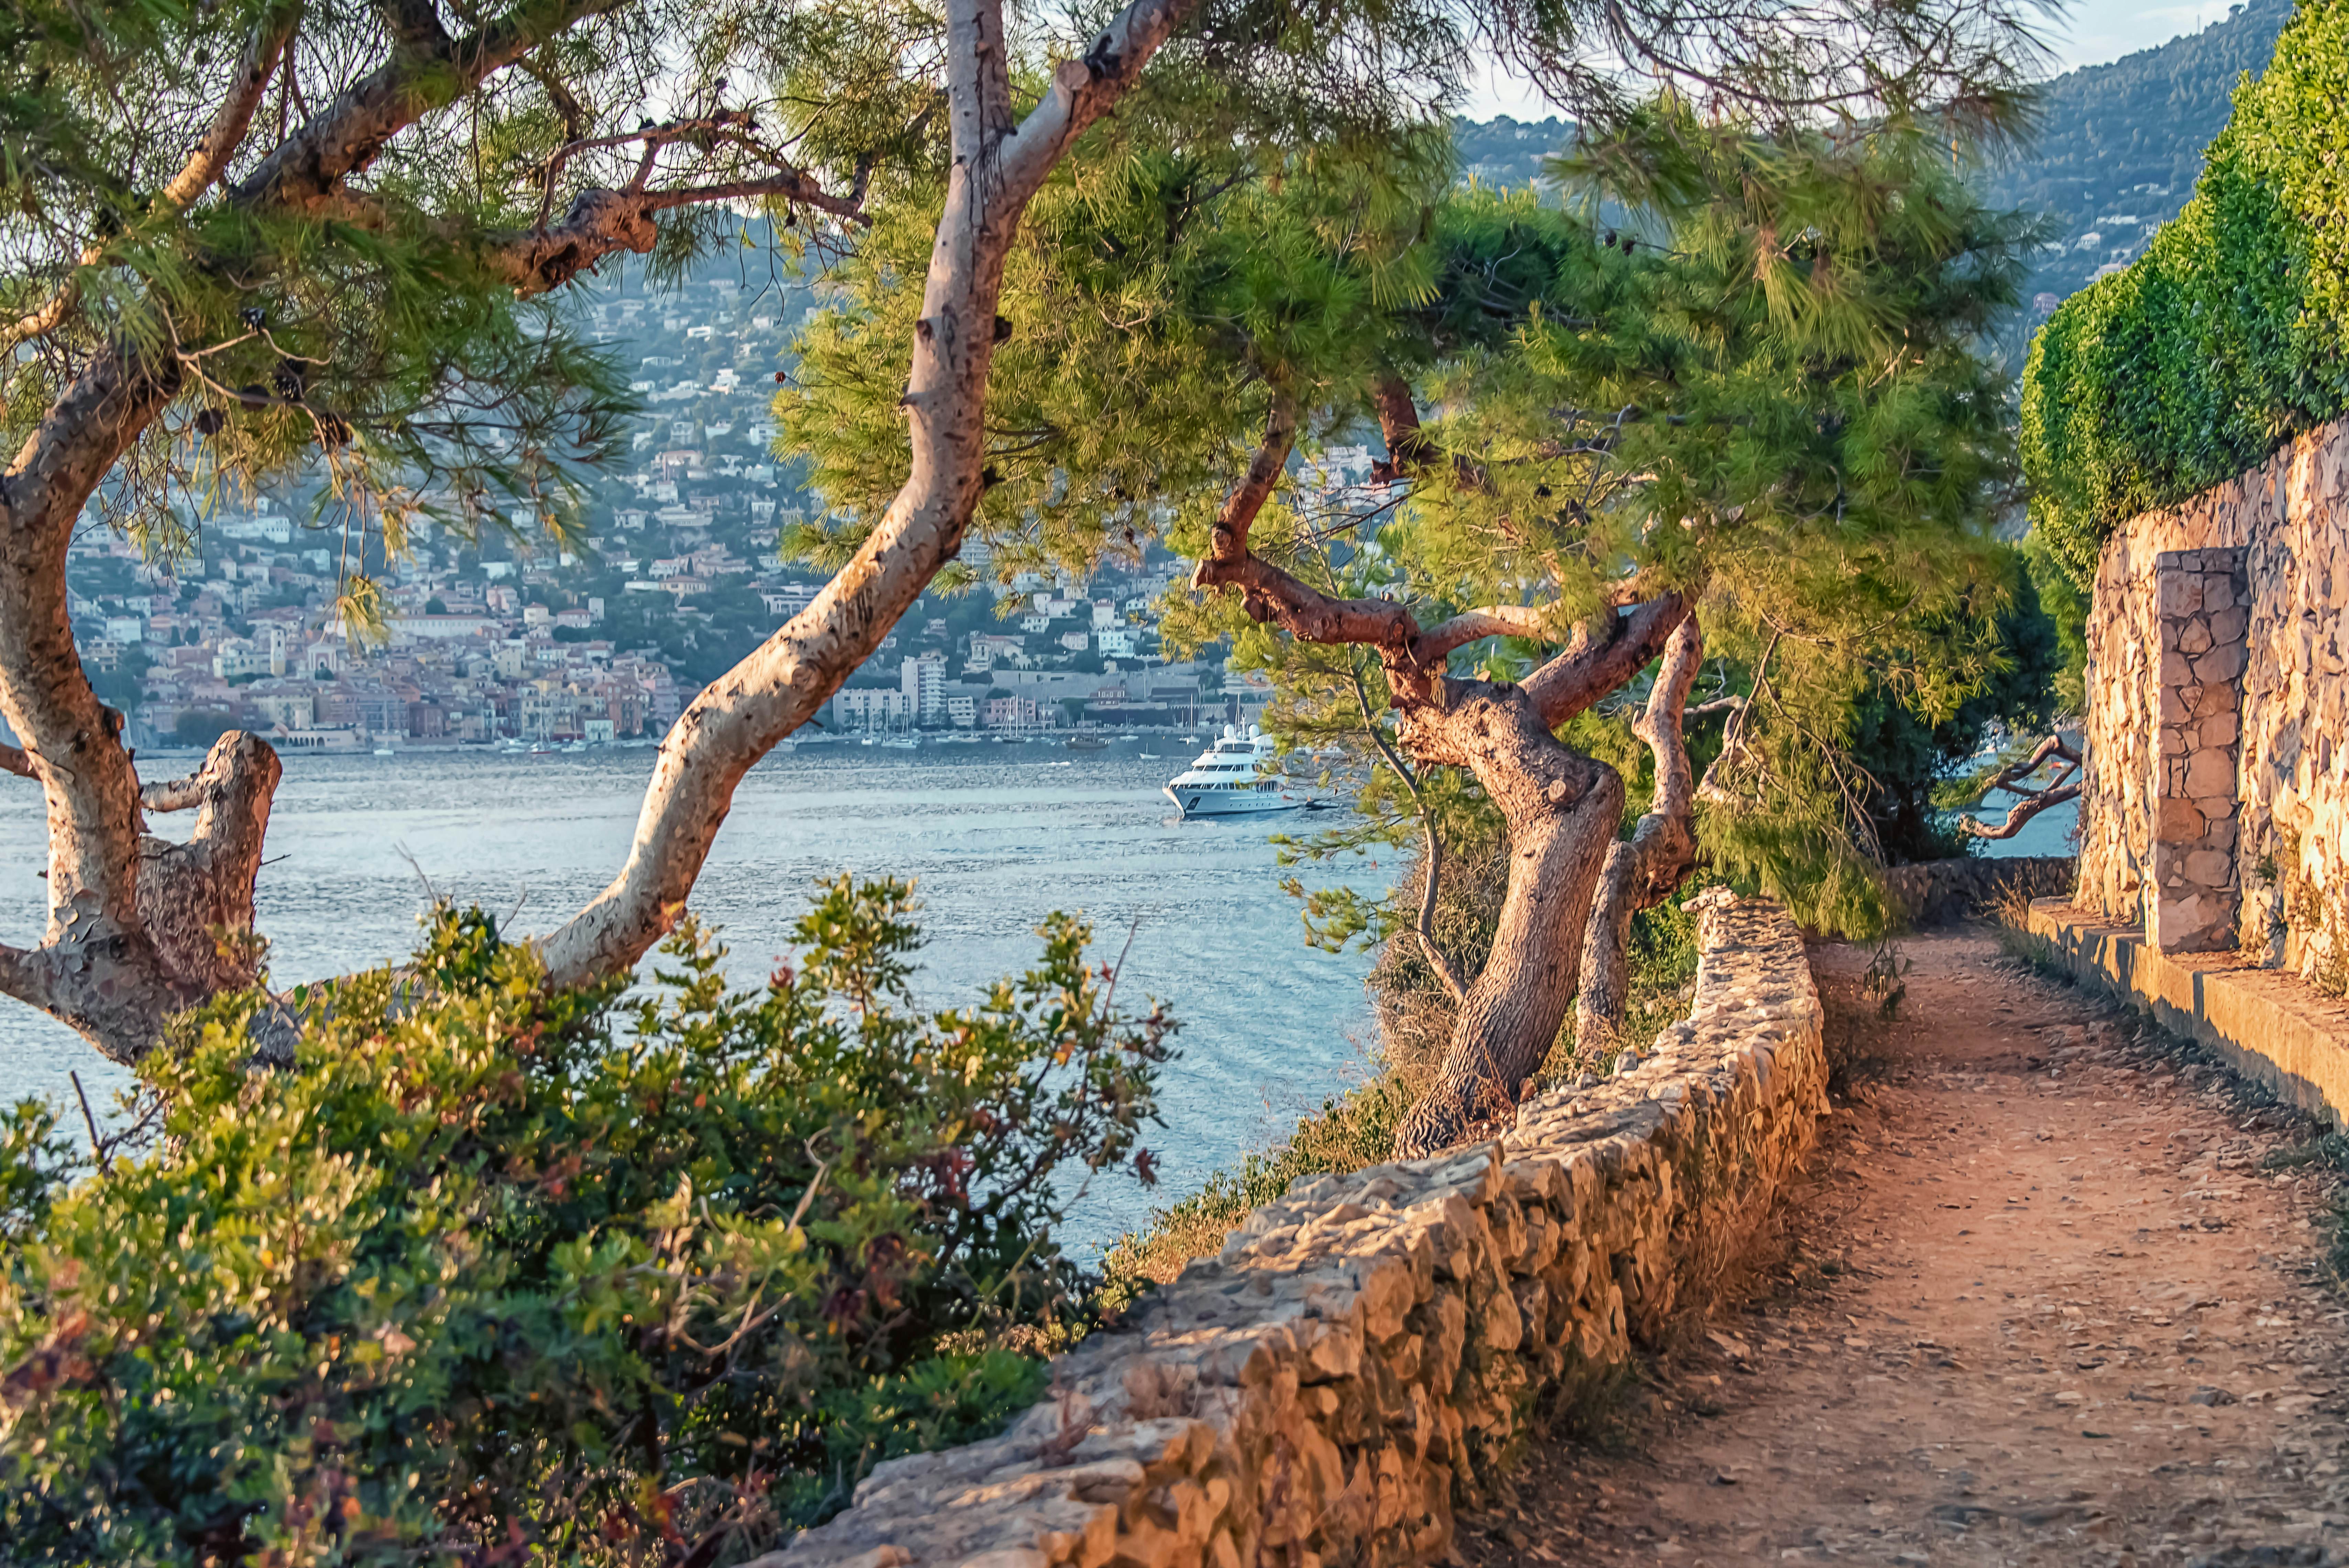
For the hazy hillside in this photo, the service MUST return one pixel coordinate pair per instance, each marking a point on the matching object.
(1505, 151)
(2117, 152)
(2121, 144)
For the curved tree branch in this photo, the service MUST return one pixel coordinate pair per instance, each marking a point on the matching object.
(1561, 806)
(1424, 925)
(602, 221)
(2018, 815)
(1579, 677)
(1410, 453)
(1474, 625)
(308, 169)
(997, 167)
(129, 939)
(222, 138)
(2030, 799)
(174, 795)
(195, 899)
(1644, 870)
(414, 25)
(1229, 539)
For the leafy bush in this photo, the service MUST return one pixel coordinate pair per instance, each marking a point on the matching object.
(496, 1274)
(2225, 337)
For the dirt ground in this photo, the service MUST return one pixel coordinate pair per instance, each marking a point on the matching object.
(2050, 1294)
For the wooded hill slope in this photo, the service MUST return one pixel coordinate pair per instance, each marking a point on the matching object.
(2117, 153)
(2121, 145)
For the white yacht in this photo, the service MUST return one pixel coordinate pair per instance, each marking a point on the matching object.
(1229, 779)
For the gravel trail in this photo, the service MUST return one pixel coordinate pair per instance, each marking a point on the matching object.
(2049, 1294)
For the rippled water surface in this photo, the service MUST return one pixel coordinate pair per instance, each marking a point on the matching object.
(995, 837)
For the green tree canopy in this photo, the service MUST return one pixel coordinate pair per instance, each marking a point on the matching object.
(268, 237)
(1758, 395)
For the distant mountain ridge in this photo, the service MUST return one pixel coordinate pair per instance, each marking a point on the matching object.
(2120, 145)
(1502, 152)
(2118, 149)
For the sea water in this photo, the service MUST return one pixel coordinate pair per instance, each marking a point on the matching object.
(995, 837)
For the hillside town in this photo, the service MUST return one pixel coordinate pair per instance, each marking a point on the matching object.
(493, 641)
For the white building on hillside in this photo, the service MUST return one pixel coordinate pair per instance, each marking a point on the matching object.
(923, 681)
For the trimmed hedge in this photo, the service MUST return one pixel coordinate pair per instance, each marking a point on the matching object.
(2225, 337)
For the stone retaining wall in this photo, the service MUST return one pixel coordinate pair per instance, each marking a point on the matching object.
(1933, 892)
(2269, 1024)
(2218, 775)
(2203, 610)
(1371, 1347)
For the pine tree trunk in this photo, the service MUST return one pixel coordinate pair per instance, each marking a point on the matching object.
(1000, 164)
(96, 967)
(1562, 809)
(196, 899)
(1647, 869)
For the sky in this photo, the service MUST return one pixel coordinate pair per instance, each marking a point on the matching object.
(2089, 32)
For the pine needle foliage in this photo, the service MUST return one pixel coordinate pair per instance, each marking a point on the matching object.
(1769, 386)
(1155, 304)
(386, 339)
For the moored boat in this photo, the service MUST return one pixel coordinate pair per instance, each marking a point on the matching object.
(1231, 779)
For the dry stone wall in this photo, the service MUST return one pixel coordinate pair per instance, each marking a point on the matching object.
(2279, 535)
(2202, 616)
(1932, 892)
(1368, 1349)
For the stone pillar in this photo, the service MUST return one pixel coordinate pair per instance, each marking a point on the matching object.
(2203, 615)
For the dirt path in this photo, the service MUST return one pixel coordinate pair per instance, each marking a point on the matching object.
(2042, 1301)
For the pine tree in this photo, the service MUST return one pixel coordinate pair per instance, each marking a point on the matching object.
(1755, 403)
(249, 238)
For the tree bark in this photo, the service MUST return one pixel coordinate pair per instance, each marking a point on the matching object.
(1431, 885)
(998, 168)
(140, 927)
(96, 967)
(101, 967)
(1644, 870)
(2030, 799)
(196, 899)
(1561, 808)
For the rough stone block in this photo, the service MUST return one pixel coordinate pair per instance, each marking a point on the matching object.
(2221, 664)
(2209, 868)
(2210, 772)
(2178, 821)
(2215, 808)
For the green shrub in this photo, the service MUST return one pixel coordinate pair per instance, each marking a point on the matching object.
(2225, 337)
(498, 1275)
